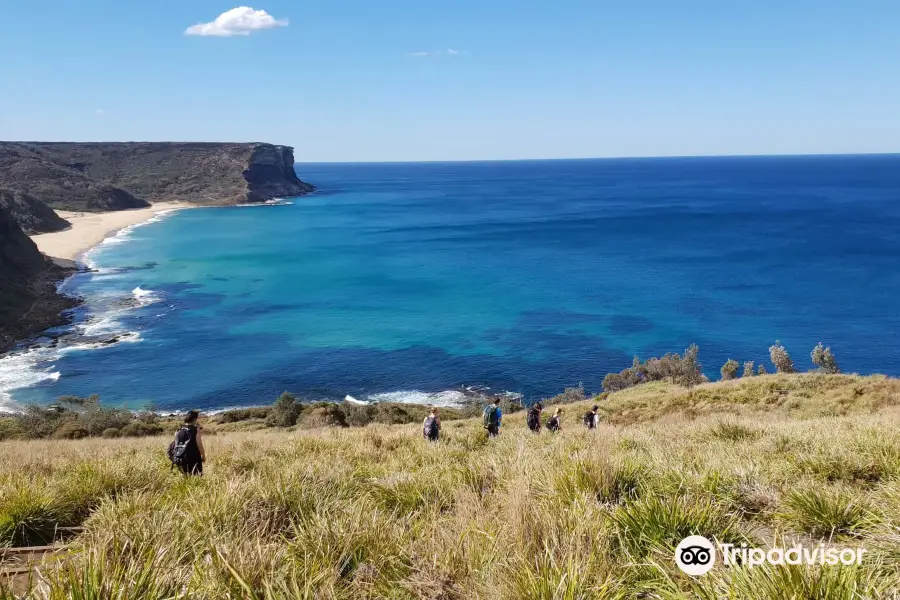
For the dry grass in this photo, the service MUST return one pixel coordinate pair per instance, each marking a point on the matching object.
(378, 513)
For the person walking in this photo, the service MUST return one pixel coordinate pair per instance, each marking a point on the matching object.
(431, 427)
(554, 423)
(533, 419)
(186, 451)
(491, 417)
(592, 417)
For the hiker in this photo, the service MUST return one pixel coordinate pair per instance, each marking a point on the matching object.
(186, 451)
(591, 418)
(492, 416)
(533, 419)
(431, 427)
(554, 423)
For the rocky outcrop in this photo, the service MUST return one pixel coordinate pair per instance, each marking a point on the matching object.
(31, 215)
(29, 302)
(113, 176)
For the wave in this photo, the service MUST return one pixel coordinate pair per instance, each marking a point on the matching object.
(22, 370)
(444, 398)
(145, 297)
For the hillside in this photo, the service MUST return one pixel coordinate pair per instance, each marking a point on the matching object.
(117, 176)
(376, 512)
(32, 215)
(28, 299)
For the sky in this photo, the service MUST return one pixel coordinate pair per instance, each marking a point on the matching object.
(404, 80)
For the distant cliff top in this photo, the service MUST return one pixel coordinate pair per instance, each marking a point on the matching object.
(114, 176)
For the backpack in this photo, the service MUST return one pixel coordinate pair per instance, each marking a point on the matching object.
(489, 416)
(178, 449)
(534, 419)
(430, 427)
(553, 423)
(589, 419)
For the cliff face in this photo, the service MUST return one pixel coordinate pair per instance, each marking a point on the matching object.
(31, 215)
(29, 303)
(113, 176)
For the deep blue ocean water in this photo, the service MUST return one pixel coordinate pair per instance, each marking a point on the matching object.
(520, 276)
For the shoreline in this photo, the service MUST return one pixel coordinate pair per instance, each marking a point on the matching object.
(87, 230)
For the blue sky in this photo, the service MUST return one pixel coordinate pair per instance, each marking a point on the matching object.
(461, 79)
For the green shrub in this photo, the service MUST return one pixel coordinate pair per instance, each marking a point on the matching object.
(324, 415)
(684, 370)
(569, 396)
(761, 370)
(140, 429)
(244, 414)
(285, 411)
(823, 358)
(733, 432)
(779, 356)
(112, 432)
(729, 370)
(70, 430)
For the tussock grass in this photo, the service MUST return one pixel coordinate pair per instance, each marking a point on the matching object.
(376, 512)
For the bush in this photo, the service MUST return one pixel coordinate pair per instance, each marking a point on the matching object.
(324, 415)
(762, 370)
(781, 359)
(685, 371)
(140, 429)
(823, 358)
(285, 411)
(112, 432)
(569, 396)
(244, 414)
(70, 430)
(748, 369)
(729, 370)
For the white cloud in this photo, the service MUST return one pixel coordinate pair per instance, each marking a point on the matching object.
(242, 20)
(447, 52)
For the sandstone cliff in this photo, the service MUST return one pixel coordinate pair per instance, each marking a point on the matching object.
(114, 176)
(28, 299)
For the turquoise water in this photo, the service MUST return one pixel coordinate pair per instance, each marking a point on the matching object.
(413, 279)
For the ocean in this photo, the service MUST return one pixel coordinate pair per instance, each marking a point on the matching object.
(409, 282)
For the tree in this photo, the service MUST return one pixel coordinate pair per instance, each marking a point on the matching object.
(823, 358)
(729, 369)
(781, 359)
(748, 369)
(690, 367)
(285, 411)
(761, 370)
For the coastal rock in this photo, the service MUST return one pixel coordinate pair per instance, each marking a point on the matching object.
(31, 215)
(29, 302)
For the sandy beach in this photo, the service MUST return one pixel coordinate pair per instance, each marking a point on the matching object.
(89, 229)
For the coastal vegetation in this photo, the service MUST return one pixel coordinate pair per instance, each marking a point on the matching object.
(376, 512)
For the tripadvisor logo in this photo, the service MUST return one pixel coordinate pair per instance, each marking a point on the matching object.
(696, 555)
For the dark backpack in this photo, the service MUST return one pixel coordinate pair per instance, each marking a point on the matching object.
(430, 428)
(489, 416)
(553, 424)
(534, 419)
(589, 419)
(178, 449)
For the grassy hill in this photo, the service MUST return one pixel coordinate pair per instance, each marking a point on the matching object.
(375, 512)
